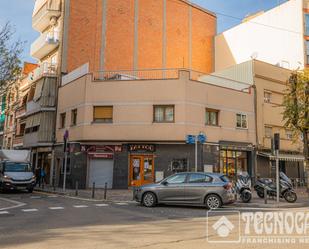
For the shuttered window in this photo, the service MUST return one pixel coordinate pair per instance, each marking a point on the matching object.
(103, 114)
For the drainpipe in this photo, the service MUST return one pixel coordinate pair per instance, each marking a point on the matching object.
(256, 130)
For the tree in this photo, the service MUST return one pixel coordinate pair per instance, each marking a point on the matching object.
(10, 63)
(296, 113)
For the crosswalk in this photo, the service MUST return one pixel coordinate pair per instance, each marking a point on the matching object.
(55, 208)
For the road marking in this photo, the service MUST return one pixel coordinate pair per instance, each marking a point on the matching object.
(30, 210)
(17, 204)
(80, 206)
(35, 197)
(4, 212)
(101, 205)
(55, 208)
(121, 203)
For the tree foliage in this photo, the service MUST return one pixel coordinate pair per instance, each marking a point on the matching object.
(10, 63)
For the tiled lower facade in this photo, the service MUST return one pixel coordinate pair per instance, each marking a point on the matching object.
(123, 165)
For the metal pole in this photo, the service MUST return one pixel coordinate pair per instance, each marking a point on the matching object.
(195, 153)
(105, 190)
(93, 188)
(277, 177)
(265, 195)
(65, 169)
(76, 188)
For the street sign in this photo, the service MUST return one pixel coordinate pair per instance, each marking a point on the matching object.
(190, 139)
(202, 138)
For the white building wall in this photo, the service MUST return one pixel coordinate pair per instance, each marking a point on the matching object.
(275, 36)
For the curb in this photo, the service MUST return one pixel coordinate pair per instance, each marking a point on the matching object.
(67, 195)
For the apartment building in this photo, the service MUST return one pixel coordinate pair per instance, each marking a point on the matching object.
(134, 35)
(40, 114)
(269, 83)
(127, 131)
(285, 41)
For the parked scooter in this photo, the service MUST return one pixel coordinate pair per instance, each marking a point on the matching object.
(286, 188)
(243, 187)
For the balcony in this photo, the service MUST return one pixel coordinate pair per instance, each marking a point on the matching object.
(46, 43)
(44, 70)
(41, 17)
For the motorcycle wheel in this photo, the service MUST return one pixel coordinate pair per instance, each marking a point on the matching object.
(290, 196)
(260, 194)
(246, 197)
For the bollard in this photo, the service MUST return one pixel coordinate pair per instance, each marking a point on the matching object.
(76, 188)
(265, 195)
(93, 189)
(105, 190)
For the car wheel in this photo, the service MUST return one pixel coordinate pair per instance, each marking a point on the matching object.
(149, 199)
(213, 202)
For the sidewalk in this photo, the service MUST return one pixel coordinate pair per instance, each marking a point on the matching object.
(113, 195)
(256, 202)
(126, 195)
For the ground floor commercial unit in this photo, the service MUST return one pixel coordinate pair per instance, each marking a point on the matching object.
(290, 163)
(122, 165)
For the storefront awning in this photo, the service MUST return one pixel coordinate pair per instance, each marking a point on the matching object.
(282, 157)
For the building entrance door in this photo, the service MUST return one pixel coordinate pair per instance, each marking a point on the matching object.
(141, 169)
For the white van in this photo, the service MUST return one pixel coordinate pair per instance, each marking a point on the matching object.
(16, 171)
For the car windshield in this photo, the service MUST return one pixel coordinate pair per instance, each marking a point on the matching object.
(224, 178)
(17, 167)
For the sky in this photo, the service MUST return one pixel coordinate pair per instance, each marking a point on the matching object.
(19, 14)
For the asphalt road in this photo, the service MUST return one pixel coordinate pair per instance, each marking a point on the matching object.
(49, 221)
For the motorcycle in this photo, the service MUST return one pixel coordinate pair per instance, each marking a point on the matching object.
(243, 187)
(286, 188)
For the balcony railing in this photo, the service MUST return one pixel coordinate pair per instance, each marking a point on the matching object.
(44, 70)
(45, 44)
(147, 74)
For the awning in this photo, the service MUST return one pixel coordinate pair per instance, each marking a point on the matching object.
(283, 157)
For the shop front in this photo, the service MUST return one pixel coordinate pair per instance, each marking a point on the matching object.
(235, 158)
(141, 164)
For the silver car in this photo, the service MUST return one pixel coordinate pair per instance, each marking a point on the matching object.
(193, 188)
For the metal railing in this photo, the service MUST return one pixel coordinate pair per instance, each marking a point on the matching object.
(45, 69)
(145, 74)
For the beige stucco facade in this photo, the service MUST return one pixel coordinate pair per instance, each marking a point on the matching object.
(133, 103)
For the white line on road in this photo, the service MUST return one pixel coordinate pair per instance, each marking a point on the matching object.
(35, 197)
(101, 205)
(17, 204)
(4, 212)
(121, 203)
(30, 210)
(80, 206)
(55, 208)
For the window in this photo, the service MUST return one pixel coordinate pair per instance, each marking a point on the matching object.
(241, 121)
(307, 24)
(73, 117)
(22, 129)
(176, 179)
(212, 117)
(11, 120)
(267, 97)
(103, 114)
(163, 114)
(197, 178)
(268, 131)
(62, 120)
(289, 134)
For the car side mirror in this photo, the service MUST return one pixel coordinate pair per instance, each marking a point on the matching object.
(164, 183)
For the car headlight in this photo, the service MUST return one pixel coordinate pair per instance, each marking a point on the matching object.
(7, 177)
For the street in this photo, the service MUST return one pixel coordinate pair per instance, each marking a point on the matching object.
(50, 221)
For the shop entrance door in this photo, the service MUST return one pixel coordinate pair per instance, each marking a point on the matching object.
(141, 169)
